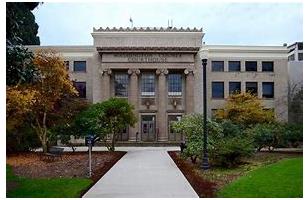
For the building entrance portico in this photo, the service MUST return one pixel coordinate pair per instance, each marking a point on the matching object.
(153, 70)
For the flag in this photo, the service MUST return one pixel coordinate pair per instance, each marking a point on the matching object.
(130, 20)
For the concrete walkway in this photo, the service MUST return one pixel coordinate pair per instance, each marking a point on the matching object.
(143, 172)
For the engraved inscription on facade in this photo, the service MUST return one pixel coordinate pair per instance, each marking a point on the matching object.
(146, 57)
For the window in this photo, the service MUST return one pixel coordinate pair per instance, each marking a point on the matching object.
(300, 56)
(174, 84)
(217, 89)
(267, 66)
(234, 87)
(66, 65)
(217, 66)
(121, 84)
(291, 57)
(148, 84)
(251, 66)
(234, 66)
(80, 66)
(252, 87)
(81, 88)
(300, 46)
(268, 90)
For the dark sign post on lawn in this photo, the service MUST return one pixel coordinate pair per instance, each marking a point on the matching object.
(90, 142)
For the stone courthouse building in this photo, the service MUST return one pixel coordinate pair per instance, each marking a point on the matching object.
(159, 71)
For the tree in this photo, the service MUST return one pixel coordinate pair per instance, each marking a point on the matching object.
(62, 119)
(20, 68)
(296, 105)
(107, 119)
(21, 28)
(245, 109)
(226, 142)
(53, 85)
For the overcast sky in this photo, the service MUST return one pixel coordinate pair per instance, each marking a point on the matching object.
(223, 23)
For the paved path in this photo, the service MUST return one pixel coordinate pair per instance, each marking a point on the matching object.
(143, 172)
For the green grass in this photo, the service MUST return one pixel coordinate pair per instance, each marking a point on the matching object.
(45, 187)
(281, 179)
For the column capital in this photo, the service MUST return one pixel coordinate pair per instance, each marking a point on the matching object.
(134, 72)
(161, 71)
(105, 72)
(189, 71)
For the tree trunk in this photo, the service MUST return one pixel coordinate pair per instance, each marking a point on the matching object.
(113, 142)
(41, 132)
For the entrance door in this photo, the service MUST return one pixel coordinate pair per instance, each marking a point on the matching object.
(148, 128)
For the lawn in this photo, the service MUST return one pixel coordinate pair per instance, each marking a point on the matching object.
(281, 179)
(44, 187)
(218, 181)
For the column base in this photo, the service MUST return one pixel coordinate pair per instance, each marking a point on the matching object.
(162, 139)
(132, 139)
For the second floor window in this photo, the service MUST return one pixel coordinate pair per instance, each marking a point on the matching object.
(251, 66)
(267, 66)
(79, 66)
(174, 84)
(234, 66)
(217, 66)
(121, 84)
(148, 85)
(81, 88)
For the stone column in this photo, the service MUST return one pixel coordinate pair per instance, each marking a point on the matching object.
(106, 73)
(189, 91)
(162, 103)
(133, 96)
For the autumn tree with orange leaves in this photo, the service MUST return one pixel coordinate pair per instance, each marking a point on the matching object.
(245, 109)
(37, 100)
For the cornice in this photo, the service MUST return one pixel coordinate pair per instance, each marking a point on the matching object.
(147, 29)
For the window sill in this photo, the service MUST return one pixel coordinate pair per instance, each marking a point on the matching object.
(79, 72)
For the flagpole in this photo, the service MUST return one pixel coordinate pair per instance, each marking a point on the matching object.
(131, 22)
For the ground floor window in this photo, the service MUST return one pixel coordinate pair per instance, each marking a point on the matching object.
(123, 135)
(172, 135)
(81, 88)
(268, 90)
(252, 87)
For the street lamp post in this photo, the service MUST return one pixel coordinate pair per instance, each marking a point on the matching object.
(205, 164)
